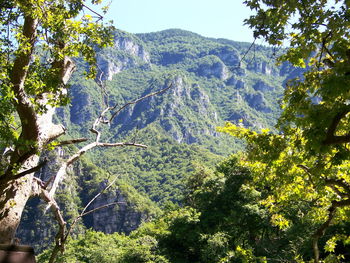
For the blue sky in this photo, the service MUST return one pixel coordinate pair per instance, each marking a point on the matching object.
(210, 18)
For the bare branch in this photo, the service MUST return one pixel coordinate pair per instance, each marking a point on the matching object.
(72, 141)
(19, 160)
(60, 245)
(62, 171)
(97, 122)
(48, 196)
(138, 100)
(246, 53)
(21, 174)
(96, 196)
(93, 11)
(121, 144)
(100, 207)
(45, 196)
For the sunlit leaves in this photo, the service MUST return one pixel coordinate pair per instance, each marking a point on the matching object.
(298, 181)
(280, 221)
(61, 30)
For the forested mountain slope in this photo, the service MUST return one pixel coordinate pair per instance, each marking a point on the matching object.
(212, 81)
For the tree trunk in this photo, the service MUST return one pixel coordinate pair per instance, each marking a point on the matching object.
(14, 195)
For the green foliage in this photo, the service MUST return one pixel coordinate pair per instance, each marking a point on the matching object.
(302, 187)
(158, 171)
(58, 33)
(305, 166)
(96, 247)
(225, 219)
(222, 223)
(321, 41)
(95, 176)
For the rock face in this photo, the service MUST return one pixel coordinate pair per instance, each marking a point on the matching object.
(129, 46)
(177, 117)
(262, 86)
(228, 55)
(258, 102)
(81, 110)
(175, 112)
(262, 67)
(212, 67)
(129, 55)
(37, 224)
(238, 83)
(209, 72)
(119, 218)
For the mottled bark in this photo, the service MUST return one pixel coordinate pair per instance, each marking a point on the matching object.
(13, 197)
(37, 130)
(15, 193)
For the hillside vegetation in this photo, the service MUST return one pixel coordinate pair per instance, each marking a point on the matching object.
(210, 83)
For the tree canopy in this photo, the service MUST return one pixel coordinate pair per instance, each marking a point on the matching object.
(306, 165)
(39, 40)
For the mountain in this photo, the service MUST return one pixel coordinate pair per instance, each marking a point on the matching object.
(211, 80)
(211, 84)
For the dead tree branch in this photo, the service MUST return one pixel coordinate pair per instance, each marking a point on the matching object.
(24, 173)
(72, 141)
(59, 246)
(94, 129)
(45, 196)
(62, 170)
(138, 100)
(99, 16)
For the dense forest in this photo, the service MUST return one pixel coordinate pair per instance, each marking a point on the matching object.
(174, 147)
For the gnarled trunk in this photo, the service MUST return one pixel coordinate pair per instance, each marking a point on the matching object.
(14, 195)
(16, 189)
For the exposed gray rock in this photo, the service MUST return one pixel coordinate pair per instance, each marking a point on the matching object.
(238, 83)
(262, 86)
(125, 54)
(120, 218)
(239, 71)
(218, 70)
(228, 55)
(258, 102)
(129, 46)
(262, 67)
(175, 112)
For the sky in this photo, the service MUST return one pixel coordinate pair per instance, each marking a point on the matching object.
(209, 18)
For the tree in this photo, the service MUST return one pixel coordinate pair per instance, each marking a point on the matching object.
(319, 38)
(91, 247)
(38, 40)
(307, 164)
(221, 222)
